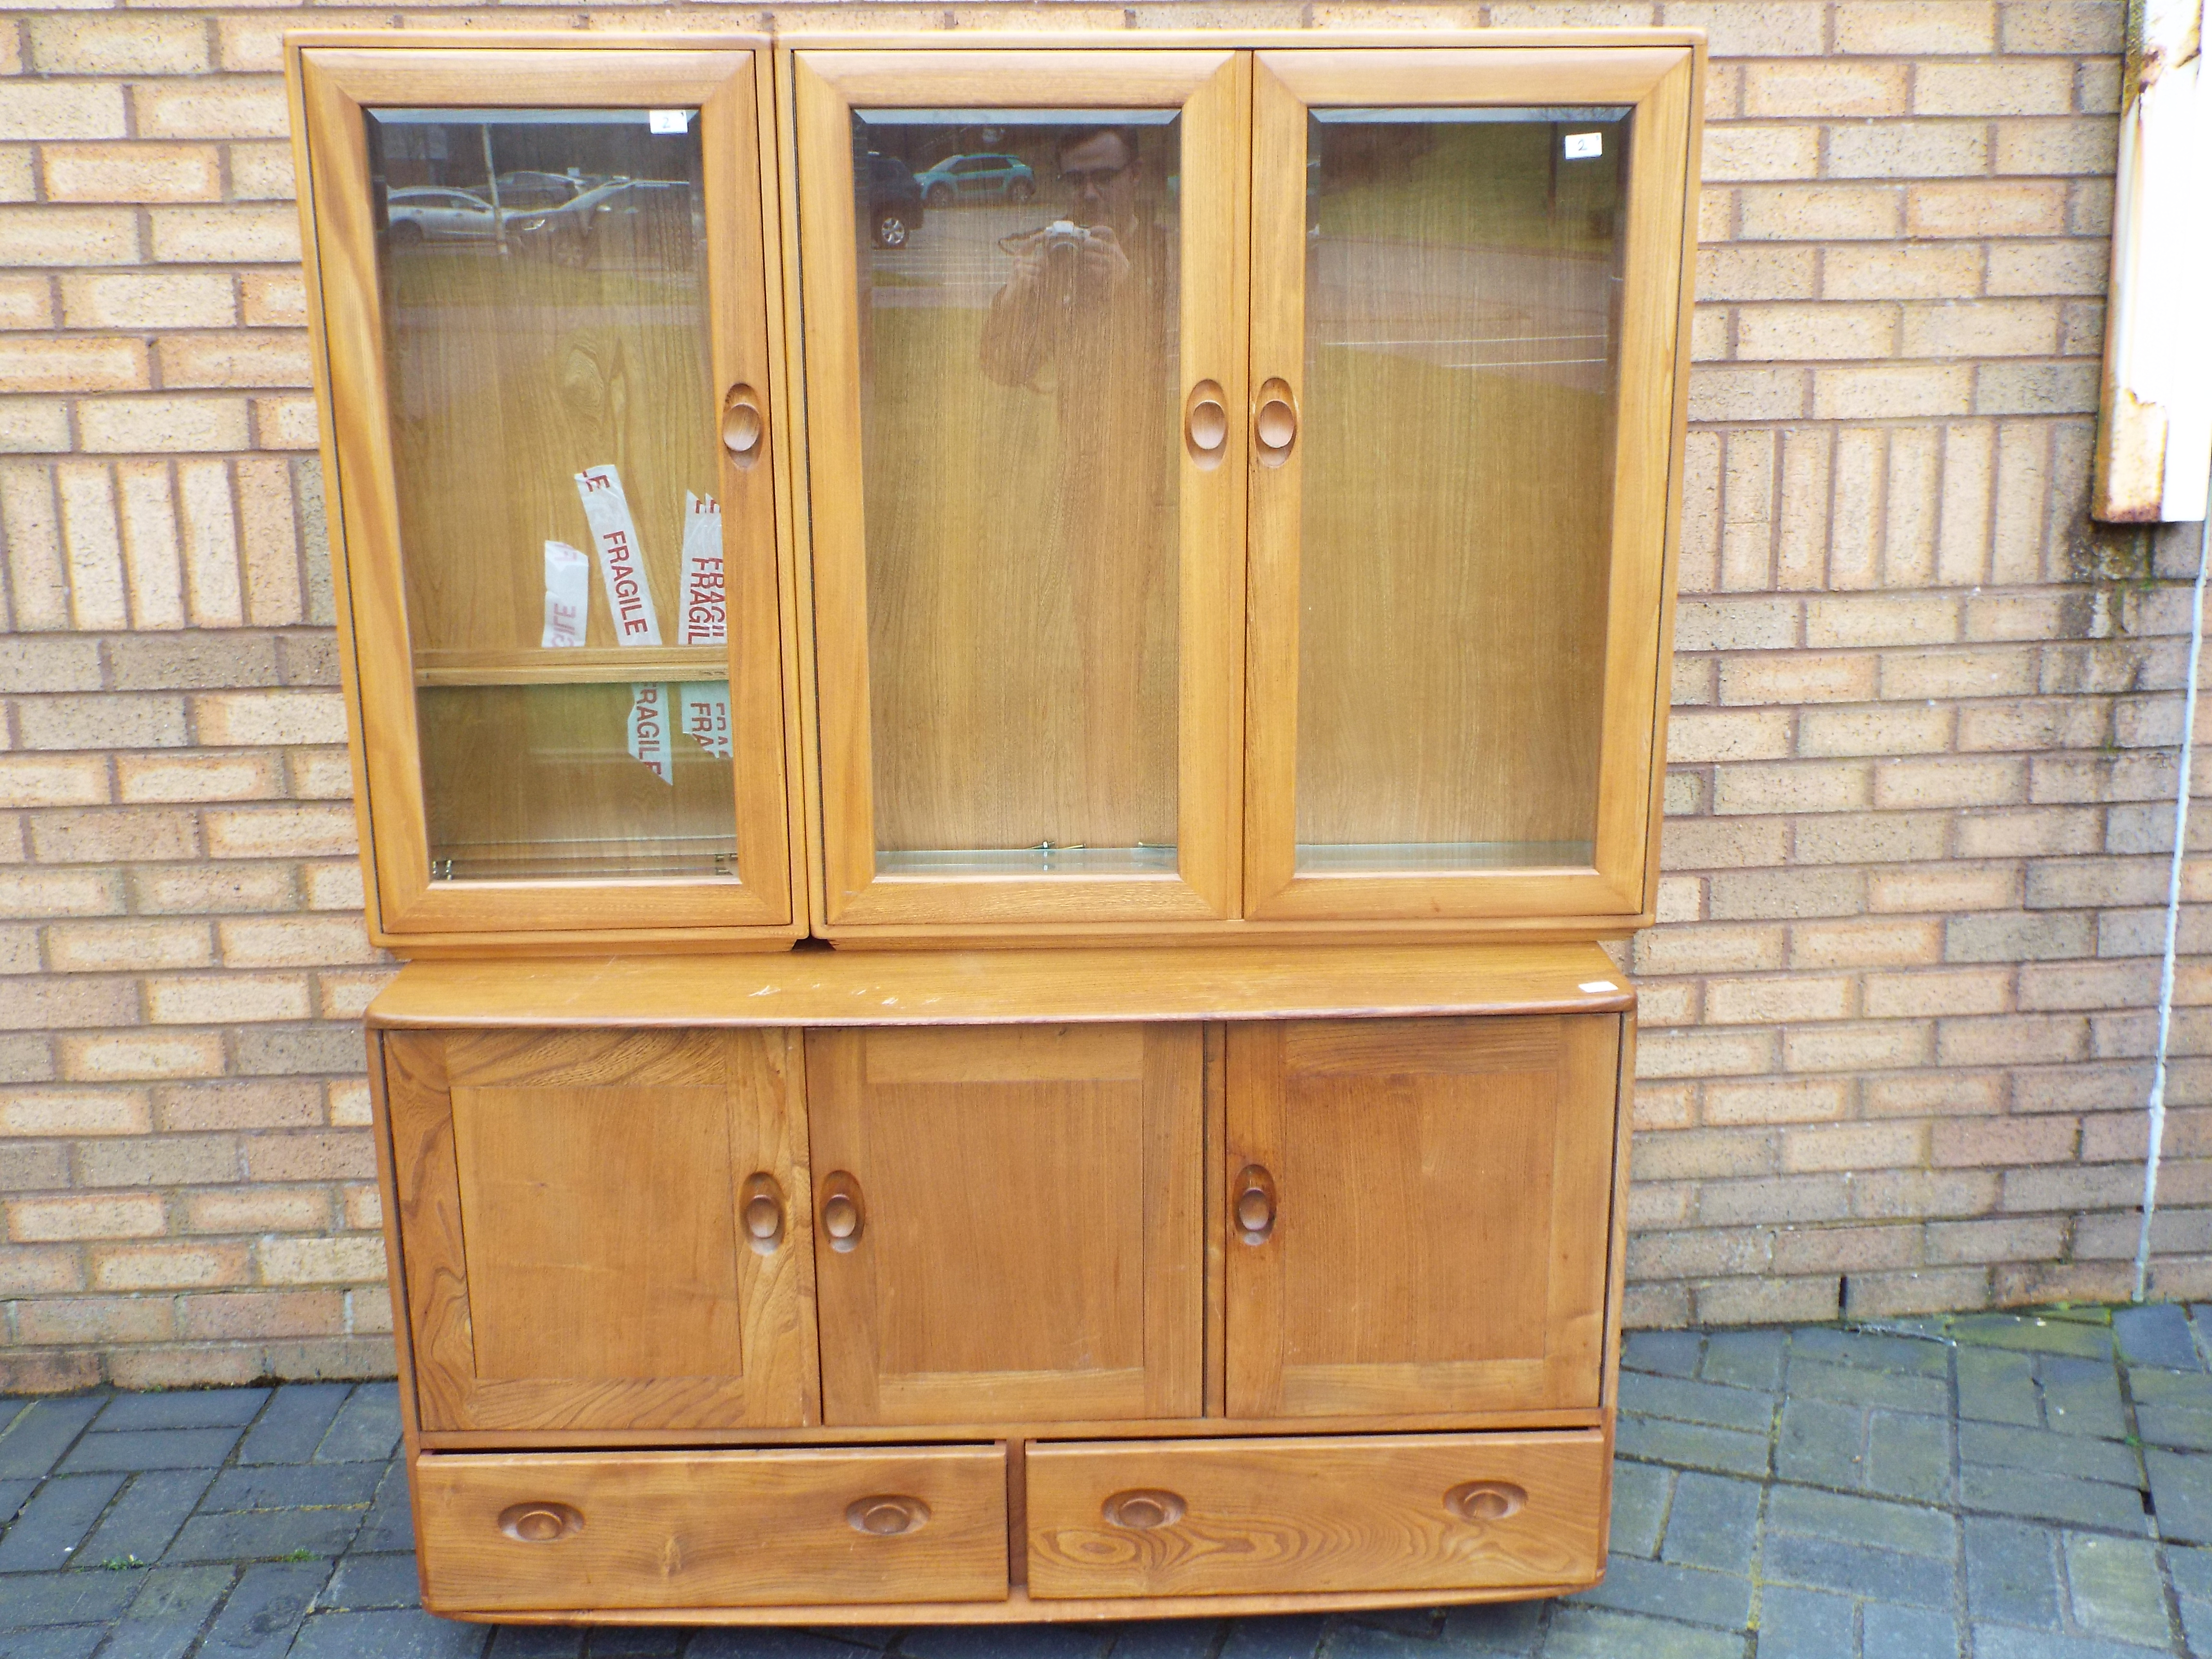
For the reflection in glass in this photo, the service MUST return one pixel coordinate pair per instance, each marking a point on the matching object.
(1019, 292)
(545, 298)
(1463, 275)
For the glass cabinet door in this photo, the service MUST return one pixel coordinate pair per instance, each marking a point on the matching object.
(1023, 312)
(546, 315)
(1465, 342)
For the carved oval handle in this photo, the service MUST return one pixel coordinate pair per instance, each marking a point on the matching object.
(761, 1209)
(1275, 422)
(540, 1522)
(1142, 1510)
(843, 1217)
(887, 1515)
(1486, 1500)
(743, 425)
(1206, 424)
(1254, 1205)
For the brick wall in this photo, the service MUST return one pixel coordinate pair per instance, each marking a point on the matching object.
(1898, 1008)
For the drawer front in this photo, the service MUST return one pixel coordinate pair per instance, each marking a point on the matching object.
(1369, 1512)
(542, 1533)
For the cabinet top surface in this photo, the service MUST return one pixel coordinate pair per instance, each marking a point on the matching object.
(973, 27)
(923, 987)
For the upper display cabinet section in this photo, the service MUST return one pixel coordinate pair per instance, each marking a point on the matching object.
(545, 294)
(1227, 482)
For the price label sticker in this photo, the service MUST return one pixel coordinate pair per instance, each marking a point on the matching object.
(679, 120)
(1593, 987)
(1581, 146)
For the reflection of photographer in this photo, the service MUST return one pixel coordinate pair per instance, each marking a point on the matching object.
(1096, 272)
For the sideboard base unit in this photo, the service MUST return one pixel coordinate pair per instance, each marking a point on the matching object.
(743, 1318)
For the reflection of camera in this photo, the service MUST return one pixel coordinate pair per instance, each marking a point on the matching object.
(1064, 242)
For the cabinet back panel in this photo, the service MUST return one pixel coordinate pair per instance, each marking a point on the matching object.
(1020, 466)
(1459, 367)
(602, 1233)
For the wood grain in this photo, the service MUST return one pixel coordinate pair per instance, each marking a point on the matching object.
(523, 1162)
(1359, 1513)
(981, 987)
(1030, 1245)
(674, 1529)
(1433, 1247)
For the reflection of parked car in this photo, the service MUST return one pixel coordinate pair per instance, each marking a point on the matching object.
(893, 200)
(427, 213)
(612, 219)
(975, 179)
(528, 190)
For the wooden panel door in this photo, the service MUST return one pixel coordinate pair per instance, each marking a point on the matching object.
(1469, 319)
(1024, 413)
(1418, 1213)
(541, 283)
(604, 1229)
(1007, 1222)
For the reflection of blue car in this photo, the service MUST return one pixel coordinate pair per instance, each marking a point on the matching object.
(975, 179)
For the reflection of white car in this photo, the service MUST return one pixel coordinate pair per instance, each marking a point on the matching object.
(429, 213)
(620, 218)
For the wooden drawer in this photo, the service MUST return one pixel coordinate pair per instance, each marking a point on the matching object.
(1368, 1512)
(544, 1532)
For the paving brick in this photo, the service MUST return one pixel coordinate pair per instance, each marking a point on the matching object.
(389, 1635)
(2001, 1642)
(1822, 1443)
(2080, 1397)
(2043, 1335)
(2116, 1589)
(1587, 1632)
(391, 1521)
(2181, 1491)
(1180, 1638)
(651, 1640)
(1825, 1564)
(1745, 1359)
(1292, 1637)
(287, 1487)
(1872, 1352)
(2156, 1335)
(1633, 1584)
(69, 1642)
(1684, 1401)
(1691, 1445)
(1641, 1492)
(181, 1408)
(1669, 1353)
(1865, 1387)
(152, 1638)
(567, 1642)
(2007, 1446)
(264, 1534)
(264, 1610)
(1803, 1624)
(2055, 1497)
(152, 1448)
(1909, 1456)
(69, 1598)
(41, 1432)
(1713, 1522)
(293, 1423)
(1849, 1519)
(147, 1516)
(45, 1535)
(1061, 1642)
(181, 1595)
(367, 1427)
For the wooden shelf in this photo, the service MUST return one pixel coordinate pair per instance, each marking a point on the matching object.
(575, 665)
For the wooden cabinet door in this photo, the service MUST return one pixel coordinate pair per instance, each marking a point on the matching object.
(1024, 417)
(1020, 1207)
(602, 1230)
(1417, 1213)
(1468, 318)
(541, 279)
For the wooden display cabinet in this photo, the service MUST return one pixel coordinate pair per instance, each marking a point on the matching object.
(1049, 1055)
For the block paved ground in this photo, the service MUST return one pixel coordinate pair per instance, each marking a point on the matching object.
(2002, 1487)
